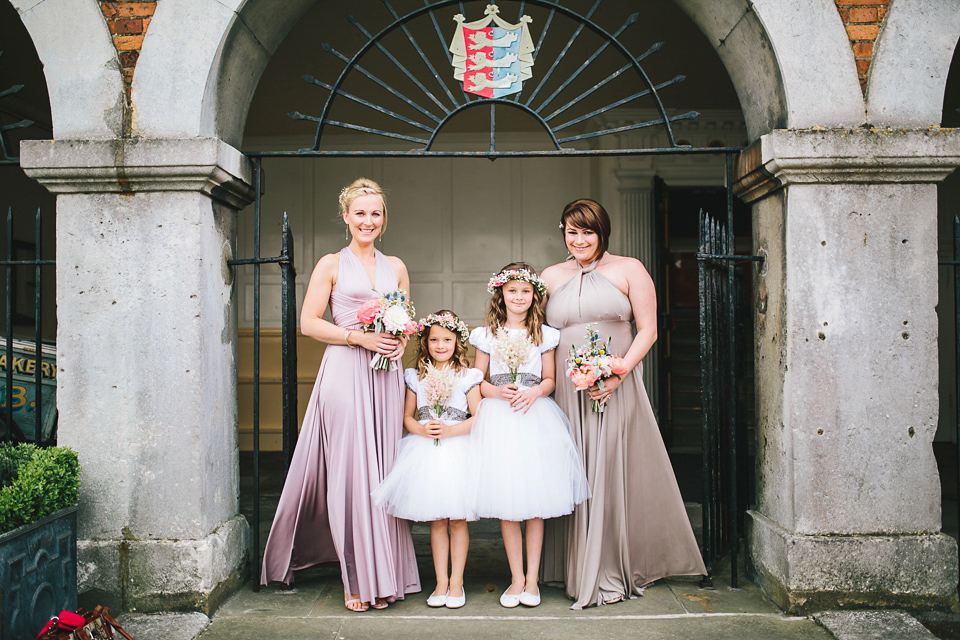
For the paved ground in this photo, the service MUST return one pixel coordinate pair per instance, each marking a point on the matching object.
(675, 608)
(672, 609)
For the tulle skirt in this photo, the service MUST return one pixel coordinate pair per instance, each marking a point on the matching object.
(524, 465)
(428, 481)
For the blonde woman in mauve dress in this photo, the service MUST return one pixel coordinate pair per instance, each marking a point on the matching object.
(634, 530)
(351, 428)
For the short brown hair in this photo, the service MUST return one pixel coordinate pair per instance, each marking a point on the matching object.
(588, 214)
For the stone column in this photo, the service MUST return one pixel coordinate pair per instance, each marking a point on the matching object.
(636, 209)
(146, 349)
(848, 509)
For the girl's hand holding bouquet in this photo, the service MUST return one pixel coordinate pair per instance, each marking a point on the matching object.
(592, 363)
(390, 313)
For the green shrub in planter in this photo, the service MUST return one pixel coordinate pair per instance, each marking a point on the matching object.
(35, 482)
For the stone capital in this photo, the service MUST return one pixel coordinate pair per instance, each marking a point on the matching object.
(635, 179)
(845, 156)
(137, 165)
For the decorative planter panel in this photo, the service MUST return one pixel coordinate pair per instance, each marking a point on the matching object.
(38, 573)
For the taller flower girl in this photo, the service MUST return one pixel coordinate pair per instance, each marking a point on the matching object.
(525, 464)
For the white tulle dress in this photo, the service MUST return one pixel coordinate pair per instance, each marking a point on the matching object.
(523, 465)
(431, 481)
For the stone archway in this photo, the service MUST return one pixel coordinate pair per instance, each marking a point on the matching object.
(159, 521)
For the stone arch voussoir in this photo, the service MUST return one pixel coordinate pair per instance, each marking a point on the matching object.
(86, 89)
(911, 61)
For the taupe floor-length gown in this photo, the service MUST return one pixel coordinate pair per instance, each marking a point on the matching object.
(634, 529)
(347, 444)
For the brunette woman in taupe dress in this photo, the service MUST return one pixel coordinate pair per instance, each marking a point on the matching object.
(634, 530)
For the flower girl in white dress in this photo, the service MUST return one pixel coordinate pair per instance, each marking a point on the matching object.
(525, 464)
(429, 480)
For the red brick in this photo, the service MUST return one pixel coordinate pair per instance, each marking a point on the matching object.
(128, 9)
(146, 23)
(861, 3)
(843, 14)
(862, 49)
(864, 14)
(129, 27)
(112, 26)
(881, 12)
(862, 66)
(128, 59)
(863, 84)
(128, 43)
(863, 31)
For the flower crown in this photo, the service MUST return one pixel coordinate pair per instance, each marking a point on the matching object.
(502, 278)
(448, 322)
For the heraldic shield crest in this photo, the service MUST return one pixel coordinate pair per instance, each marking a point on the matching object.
(492, 57)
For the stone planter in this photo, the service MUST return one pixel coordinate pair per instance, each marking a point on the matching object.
(38, 573)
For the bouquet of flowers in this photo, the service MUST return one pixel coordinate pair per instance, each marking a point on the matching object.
(437, 385)
(592, 363)
(512, 348)
(392, 313)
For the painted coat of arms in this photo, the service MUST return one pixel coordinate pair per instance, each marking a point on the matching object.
(492, 57)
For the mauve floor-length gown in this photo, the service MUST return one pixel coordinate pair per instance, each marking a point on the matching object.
(634, 529)
(347, 445)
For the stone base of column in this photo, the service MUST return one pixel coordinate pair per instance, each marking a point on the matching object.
(164, 575)
(807, 573)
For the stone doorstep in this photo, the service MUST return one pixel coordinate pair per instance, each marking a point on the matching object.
(873, 625)
(842, 625)
(169, 626)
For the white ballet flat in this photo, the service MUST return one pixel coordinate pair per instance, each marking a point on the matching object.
(528, 599)
(509, 600)
(455, 602)
(438, 601)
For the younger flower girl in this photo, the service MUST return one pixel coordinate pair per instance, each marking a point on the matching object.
(525, 463)
(428, 482)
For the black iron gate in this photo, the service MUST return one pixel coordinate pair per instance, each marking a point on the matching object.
(723, 351)
(288, 339)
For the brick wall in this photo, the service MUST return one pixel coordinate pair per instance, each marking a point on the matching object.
(128, 22)
(862, 19)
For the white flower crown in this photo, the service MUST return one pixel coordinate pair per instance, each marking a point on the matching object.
(448, 322)
(502, 278)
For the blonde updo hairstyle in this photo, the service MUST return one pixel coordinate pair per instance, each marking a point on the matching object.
(362, 187)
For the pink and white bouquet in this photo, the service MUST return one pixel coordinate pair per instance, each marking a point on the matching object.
(592, 363)
(511, 349)
(391, 313)
(437, 386)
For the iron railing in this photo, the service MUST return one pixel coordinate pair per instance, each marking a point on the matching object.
(16, 396)
(722, 351)
(288, 312)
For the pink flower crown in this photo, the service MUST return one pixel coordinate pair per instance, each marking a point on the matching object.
(502, 278)
(448, 322)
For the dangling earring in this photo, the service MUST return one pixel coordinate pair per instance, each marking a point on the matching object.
(346, 233)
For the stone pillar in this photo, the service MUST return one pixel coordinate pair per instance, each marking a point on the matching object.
(636, 209)
(146, 349)
(848, 511)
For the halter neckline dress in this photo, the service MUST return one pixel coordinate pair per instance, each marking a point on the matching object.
(635, 529)
(347, 446)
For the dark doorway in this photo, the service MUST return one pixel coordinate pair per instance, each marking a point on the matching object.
(677, 214)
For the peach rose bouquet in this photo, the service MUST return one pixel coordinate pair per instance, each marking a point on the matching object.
(592, 363)
(391, 313)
